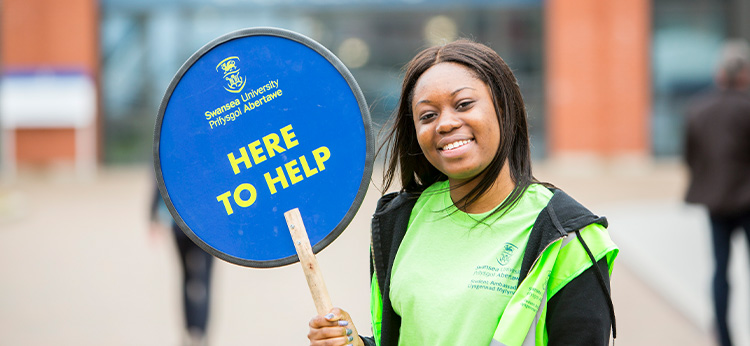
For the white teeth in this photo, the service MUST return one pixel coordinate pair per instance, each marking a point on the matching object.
(456, 144)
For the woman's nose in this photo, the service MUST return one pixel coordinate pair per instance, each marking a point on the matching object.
(448, 121)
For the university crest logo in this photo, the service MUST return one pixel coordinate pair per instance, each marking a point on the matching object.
(507, 253)
(228, 67)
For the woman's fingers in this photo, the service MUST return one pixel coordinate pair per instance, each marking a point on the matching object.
(333, 329)
(331, 337)
(322, 322)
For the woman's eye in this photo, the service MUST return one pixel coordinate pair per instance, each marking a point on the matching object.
(464, 104)
(427, 116)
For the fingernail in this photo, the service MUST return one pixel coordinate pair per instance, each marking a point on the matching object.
(351, 338)
(348, 331)
(343, 323)
(329, 316)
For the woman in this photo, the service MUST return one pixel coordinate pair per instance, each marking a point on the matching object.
(474, 250)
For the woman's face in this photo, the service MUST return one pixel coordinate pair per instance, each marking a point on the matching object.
(455, 120)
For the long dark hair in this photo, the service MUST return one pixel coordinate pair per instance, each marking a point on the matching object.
(402, 150)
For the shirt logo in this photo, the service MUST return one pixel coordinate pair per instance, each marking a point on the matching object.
(228, 67)
(507, 253)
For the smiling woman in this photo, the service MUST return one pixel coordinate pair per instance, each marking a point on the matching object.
(479, 93)
(457, 128)
(473, 234)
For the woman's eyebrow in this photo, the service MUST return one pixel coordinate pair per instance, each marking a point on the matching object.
(452, 94)
(459, 89)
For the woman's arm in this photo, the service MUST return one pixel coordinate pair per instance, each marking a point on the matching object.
(579, 313)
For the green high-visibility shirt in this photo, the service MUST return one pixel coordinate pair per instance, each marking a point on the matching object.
(453, 276)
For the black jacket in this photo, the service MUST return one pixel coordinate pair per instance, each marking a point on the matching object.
(579, 314)
(717, 151)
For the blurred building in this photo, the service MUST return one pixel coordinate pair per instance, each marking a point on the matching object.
(49, 55)
(602, 79)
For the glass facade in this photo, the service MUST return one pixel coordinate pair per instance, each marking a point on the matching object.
(144, 42)
(687, 39)
(143, 46)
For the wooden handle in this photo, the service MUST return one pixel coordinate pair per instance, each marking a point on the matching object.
(309, 263)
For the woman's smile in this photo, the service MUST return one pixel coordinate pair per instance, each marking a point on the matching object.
(457, 144)
(456, 148)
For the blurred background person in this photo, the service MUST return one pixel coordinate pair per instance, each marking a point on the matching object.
(717, 152)
(196, 267)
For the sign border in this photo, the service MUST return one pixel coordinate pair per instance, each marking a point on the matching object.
(366, 120)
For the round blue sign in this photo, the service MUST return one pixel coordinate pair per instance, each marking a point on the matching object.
(256, 123)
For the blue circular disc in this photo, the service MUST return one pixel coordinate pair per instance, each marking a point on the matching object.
(256, 123)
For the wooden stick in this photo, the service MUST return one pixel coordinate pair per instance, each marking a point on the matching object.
(309, 263)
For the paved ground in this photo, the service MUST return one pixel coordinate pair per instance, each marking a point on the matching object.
(665, 244)
(80, 268)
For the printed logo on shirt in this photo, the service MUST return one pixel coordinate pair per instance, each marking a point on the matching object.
(507, 253)
(494, 279)
(502, 278)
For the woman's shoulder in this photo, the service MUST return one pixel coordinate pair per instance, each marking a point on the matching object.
(569, 213)
(539, 191)
(394, 201)
(534, 198)
(404, 201)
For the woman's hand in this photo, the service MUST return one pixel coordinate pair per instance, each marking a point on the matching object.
(333, 329)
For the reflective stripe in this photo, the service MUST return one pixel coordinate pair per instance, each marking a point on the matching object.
(530, 339)
(568, 238)
(552, 270)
